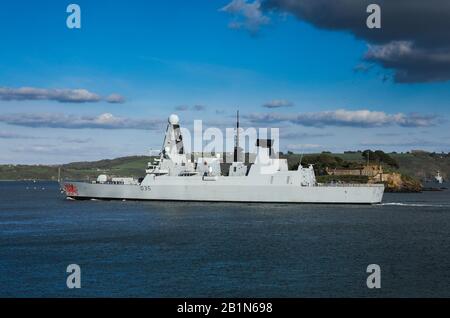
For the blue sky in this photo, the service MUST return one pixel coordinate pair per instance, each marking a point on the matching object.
(201, 62)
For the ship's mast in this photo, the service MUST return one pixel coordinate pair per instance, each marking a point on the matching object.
(236, 142)
(173, 140)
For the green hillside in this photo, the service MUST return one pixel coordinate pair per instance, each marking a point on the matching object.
(125, 166)
(423, 165)
(419, 165)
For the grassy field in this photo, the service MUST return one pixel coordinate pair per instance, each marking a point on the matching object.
(422, 165)
(125, 166)
(416, 165)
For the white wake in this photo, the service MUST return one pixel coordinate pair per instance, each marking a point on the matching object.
(413, 204)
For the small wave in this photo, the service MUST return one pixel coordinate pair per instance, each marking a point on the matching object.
(412, 204)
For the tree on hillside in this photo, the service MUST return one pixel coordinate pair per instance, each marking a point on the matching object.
(379, 156)
(323, 161)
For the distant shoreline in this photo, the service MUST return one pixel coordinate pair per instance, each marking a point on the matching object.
(26, 180)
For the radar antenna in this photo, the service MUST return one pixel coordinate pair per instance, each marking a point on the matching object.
(236, 141)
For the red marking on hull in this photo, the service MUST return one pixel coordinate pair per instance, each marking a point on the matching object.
(71, 189)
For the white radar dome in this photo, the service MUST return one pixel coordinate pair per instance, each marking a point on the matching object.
(173, 119)
(102, 178)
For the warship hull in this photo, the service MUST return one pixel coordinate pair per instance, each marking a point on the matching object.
(217, 190)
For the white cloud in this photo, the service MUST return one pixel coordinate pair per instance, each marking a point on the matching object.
(249, 15)
(197, 108)
(115, 99)
(59, 95)
(349, 118)
(287, 134)
(103, 121)
(415, 142)
(52, 151)
(182, 108)
(278, 103)
(303, 146)
(390, 51)
(75, 140)
(10, 135)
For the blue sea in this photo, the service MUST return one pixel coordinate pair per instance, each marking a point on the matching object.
(173, 249)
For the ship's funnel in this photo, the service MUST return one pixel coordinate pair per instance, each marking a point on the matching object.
(264, 143)
(264, 147)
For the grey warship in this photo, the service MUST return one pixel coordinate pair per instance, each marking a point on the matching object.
(173, 176)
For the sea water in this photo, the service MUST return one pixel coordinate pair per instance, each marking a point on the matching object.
(179, 249)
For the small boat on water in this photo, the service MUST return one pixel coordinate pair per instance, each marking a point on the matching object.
(438, 177)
